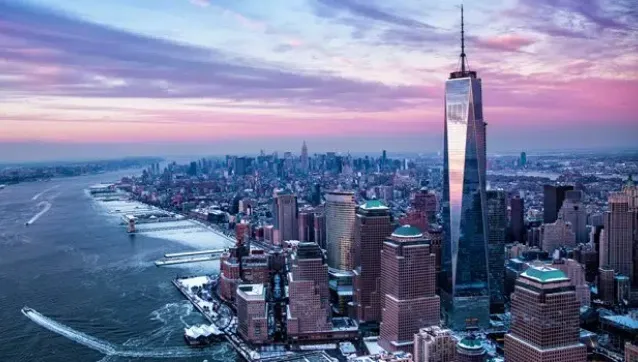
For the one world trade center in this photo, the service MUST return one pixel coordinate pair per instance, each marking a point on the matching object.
(464, 278)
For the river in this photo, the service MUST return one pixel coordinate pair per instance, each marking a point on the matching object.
(97, 287)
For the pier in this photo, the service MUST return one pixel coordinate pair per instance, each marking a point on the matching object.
(191, 253)
(189, 257)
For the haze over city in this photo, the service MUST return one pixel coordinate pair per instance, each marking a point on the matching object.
(120, 78)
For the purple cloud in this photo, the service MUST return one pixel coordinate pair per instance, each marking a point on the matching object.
(100, 61)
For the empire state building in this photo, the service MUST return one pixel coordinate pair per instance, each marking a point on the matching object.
(464, 285)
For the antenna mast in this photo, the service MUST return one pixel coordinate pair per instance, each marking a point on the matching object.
(462, 43)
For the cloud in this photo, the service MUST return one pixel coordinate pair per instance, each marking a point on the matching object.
(200, 3)
(507, 42)
(367, 10)
(100, 61)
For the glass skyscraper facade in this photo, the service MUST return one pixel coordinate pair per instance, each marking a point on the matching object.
(465, 277)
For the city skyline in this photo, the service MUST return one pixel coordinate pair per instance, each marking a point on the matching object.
(214, 77)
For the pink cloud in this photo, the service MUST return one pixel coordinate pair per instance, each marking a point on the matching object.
(508, 42)
(246, 22)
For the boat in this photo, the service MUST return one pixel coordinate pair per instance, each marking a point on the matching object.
(202, 335)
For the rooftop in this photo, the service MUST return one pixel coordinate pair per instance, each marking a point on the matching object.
(471, 343)
(252, 291)
(407, 231)
(373, 205)
(544, 274)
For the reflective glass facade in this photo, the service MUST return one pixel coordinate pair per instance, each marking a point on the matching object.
(464, 284)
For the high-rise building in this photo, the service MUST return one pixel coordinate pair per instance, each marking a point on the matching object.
(606, 284)
(631, 352)
(517, 215)
(372, 227)
(304, 157)
(434, 344)
(287, 213)
(425, 201)
(497, 233)
(470, 349)
(573, 211)
(545, 319)
(340, 214)
(523, 159)
(320, 228)
(307, 225)
(618, 233)
(252, 315)
(557, 234)
(316, 194)
(309, 307)
(576, 274)
(553, 197)
(464, 285)
(631, 190)
(409, 301)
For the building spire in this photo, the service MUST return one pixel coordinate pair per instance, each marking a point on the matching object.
(462, 42)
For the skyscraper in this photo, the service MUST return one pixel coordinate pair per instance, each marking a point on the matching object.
(340, 213)
(573, 211)
(304, 157)
(464, 284)
(286, 219)
(409, 301)
(497, 233)
(545, 319)
(557, 234)
(309, 308)
(307, 224)
(553, 197)
(517, 220)
(372, 227)
(619, 235)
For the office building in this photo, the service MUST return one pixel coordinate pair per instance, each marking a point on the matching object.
(573, 211)
(340, 213)
(307, 225)
(320, 228)
(252, 317)
(470, 349)
(557, 234)
(553, 197)
(434, 344)
(425, 201)
(545, 319)
(576, 274)
(305, 164)
(631, 352)
(309, 307)
(497, 233)
(617, 248)
(606, 284)
(464, 283)
(523, 160)
(286, 216)
(409, 301)
(517, 219)
(372, 227)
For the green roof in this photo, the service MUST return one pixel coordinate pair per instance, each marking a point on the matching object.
(544, 274)
(407, 231)
(374, 204)
(471, 343)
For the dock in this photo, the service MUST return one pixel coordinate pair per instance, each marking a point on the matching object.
(223, 317)
(189, 257)
(190, 253)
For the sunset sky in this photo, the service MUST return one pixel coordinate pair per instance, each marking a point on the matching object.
(119, 77)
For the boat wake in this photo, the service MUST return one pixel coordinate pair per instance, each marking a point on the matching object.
(105, 347)
(37, 196)
(46, 206)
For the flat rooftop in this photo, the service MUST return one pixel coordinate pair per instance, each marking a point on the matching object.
(252, 291)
